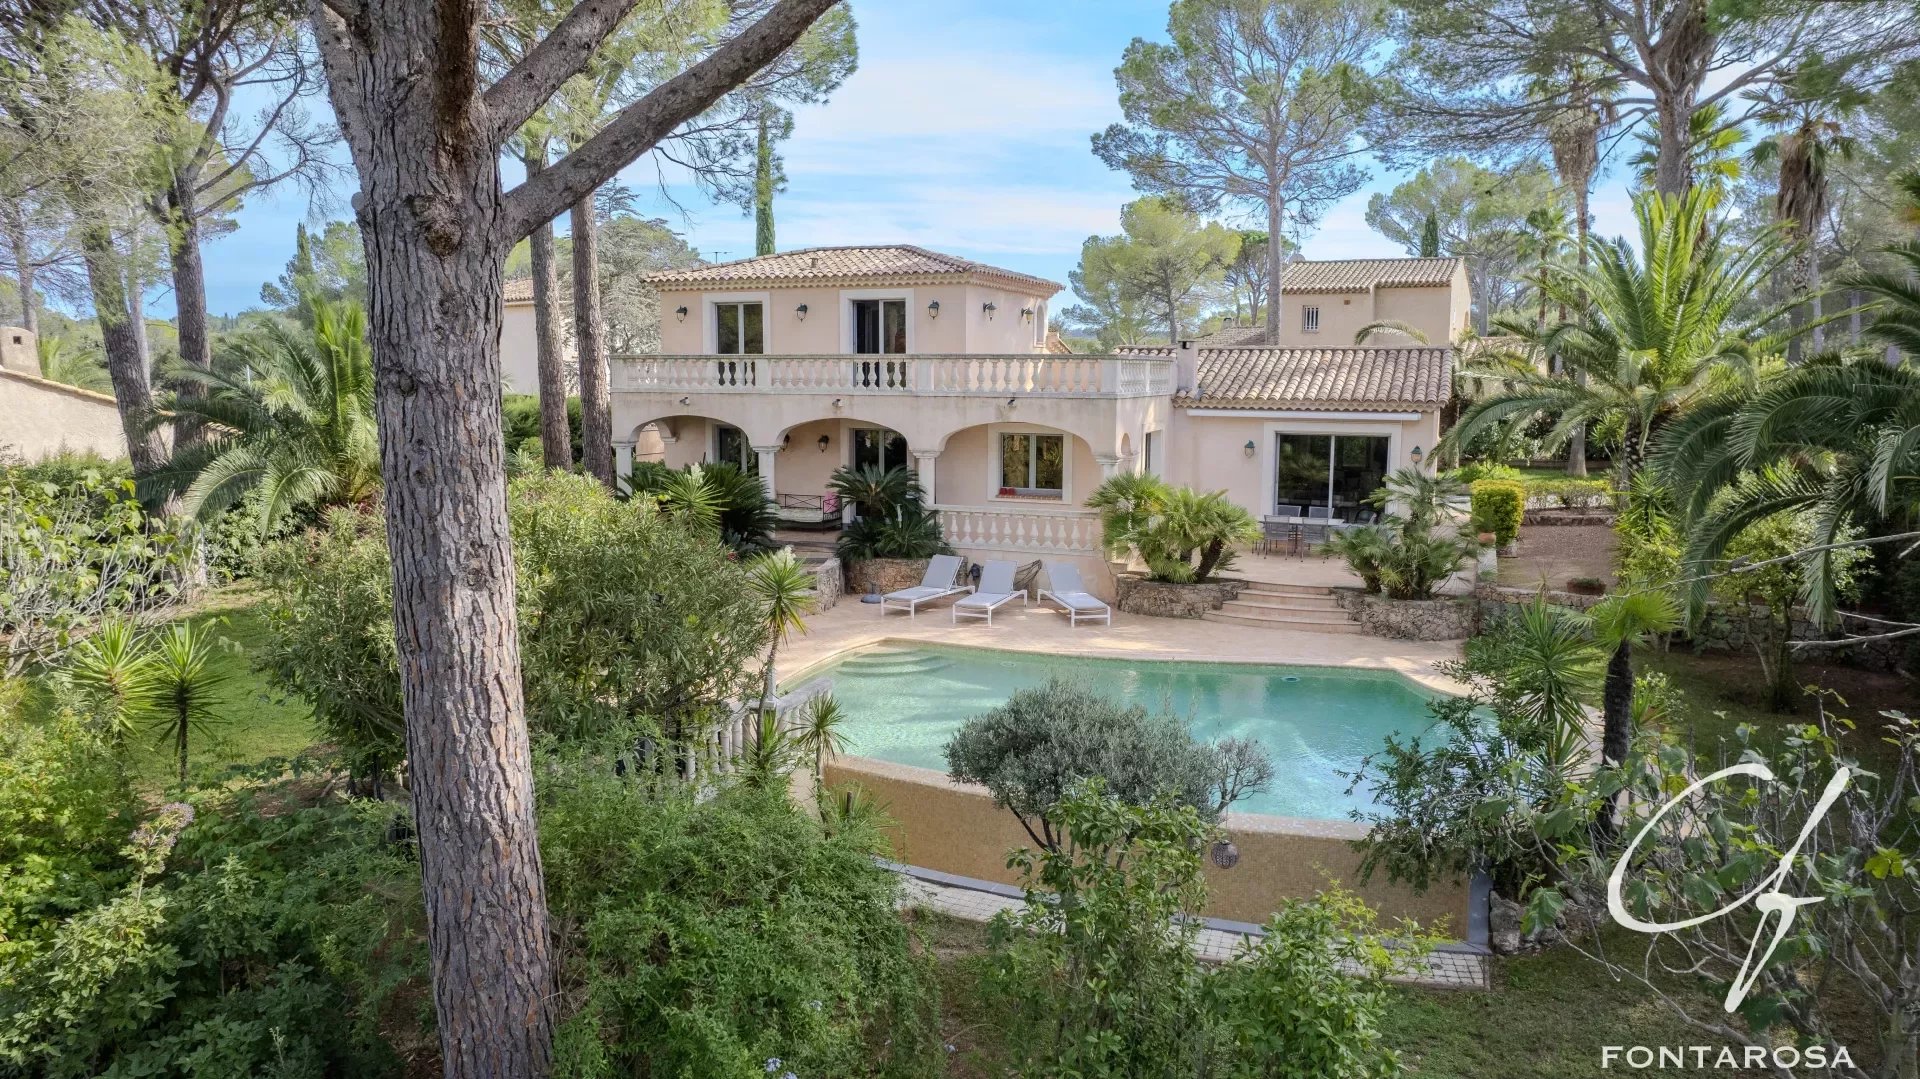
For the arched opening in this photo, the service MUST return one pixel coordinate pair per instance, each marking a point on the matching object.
(811, 451)
(1015, 464)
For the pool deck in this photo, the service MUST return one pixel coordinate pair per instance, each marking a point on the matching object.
(851, 624)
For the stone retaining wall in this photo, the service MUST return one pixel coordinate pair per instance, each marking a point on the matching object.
(1163, 599)
(829, 583)
(885, 575)
(1410, 619)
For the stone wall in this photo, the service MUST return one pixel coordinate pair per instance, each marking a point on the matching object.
(1410, 619)
(884, 575)
(1163, 599)
(829, 583)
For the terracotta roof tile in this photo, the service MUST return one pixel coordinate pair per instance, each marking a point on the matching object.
(1319, 378)
(1359, 275)
(812, 265)
(517, 290)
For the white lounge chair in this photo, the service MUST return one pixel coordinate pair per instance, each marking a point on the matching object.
(937, 584)
(1068, 591)
(996, 590)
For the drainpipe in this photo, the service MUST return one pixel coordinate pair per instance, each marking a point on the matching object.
(1186, 369)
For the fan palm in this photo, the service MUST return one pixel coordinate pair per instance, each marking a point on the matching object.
(1838, 438)
(292, 424)
(1663, 329)
(1713, 152)
(1810, 138)
(1620, 622)
(786, 591)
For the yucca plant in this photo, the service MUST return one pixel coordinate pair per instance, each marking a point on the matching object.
(820, 737)
(291, 424)
(111, 674)
(786, 589)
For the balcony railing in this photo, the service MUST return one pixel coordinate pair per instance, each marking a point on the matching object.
(1034, 375)
(1025, 531)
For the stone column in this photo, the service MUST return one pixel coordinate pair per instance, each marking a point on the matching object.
(923, 463)
(766, 467)
(1109, 464)
(623, 467)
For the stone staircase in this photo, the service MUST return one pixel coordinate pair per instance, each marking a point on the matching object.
(1286, 606)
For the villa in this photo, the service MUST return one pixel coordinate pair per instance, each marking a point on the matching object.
(795, 364)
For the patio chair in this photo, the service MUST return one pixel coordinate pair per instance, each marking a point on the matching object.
(995, 591)
(1287, 511)
(1319, 513)
(1068, 591)
(937, 584)
(1276, 533)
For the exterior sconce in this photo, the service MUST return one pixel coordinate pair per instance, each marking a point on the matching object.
(836, 402)
(680, 313)
(1416, 455)
(800, 312)
(823, 443)
(1009, 402)
(989, 308)
(1225, 854)
(785, 441)
(933, 309)
(1026, 314)
(1248, 448)
(686, 400)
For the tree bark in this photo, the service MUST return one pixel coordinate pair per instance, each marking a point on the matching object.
(1676, 64)
(132, 382)
(590, 345)
(1276, 267)
(1577, 438)
(189, 292)
(763, 189)
(556, 436)
(24, 275)
(1617, 705)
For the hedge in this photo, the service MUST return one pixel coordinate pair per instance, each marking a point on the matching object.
(1571, 492)
(1498, 506)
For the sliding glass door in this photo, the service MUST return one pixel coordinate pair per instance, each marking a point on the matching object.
(1337, 473)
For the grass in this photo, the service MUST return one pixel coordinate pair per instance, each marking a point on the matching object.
(1725, 690)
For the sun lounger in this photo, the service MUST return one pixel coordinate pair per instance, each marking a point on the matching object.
(996, 590)
(937, 584)
(1068, 591)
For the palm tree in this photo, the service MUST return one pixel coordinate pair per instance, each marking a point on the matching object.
(1620, 622)
(112, 674)
(1810, 138)
(820, 737)
(873, 490)
(1663, 329)
(1545, 240)
(787, 589)
(1552, 672)
(1713, 157)
(80, 368)
(291, 426)
(1393, 326)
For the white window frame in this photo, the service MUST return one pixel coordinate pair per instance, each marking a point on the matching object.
(995, 435)
(1039, 322)
(1310, 318)
(847, 296)
(1269, 445)
(710, 303)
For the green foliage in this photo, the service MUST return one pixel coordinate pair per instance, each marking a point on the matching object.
(288, 420)
(332, 266)
(1096, 975)
(716, 936)
(520, 423)
(893, 519)
(721, 496)
(329, 610)
(1571, 492)
(1183, 535)
(1405, 556)
(70, 555)
(1164, 270)
(1646, 535)
(66, 808)
(186, 691)
(1498, 507)
(1777, 587)
(785, 589)
(1473, 212)
(873, 491)
(1031, 751)
(1475, 471)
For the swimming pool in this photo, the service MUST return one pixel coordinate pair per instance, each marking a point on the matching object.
(904, 702)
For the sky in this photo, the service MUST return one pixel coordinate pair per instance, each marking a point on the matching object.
(967, 129)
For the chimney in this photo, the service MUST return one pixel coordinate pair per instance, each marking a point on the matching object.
(1186, 368)
(19, 351)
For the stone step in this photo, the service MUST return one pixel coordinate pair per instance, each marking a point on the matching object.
(1286, 613)
(1280, 623)
(1288, 602)
(1264, 588)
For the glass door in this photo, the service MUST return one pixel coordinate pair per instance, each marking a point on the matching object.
(880, 329)
(1335, 474)
(879, 446)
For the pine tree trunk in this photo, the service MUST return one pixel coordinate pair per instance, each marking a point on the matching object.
(189, 294)
(1577, 438)
(590, 345)
(132, 385)
(1276, 267)
(23, 270)
(556, 436)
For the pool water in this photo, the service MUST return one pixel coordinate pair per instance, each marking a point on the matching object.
(904, 703)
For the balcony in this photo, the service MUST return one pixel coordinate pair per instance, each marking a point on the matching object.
(1027, 375)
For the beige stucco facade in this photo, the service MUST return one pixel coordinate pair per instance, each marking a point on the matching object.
(962, 322)
(1440, 314)
(39, 418)
(519, 358)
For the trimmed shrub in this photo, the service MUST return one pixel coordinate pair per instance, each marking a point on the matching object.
(1572, 493)
(1498, 506)
(1476, 471)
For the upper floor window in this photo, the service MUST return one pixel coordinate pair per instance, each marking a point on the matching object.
(880, 327)
(1309, 320)
(739, 329)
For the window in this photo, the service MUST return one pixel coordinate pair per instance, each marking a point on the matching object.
(1340, 471)
(1309, 320)
(730, 446)
(880, 327)
(739, 329)
(879, 446)
(1033, 465)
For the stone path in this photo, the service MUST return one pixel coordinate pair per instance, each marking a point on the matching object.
(1448, 969)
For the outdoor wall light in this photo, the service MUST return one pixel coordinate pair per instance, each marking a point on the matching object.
(1009, 402)
(933, 309)
(836, 402)
(824, 440)
(1248, 448)
(1416, 455)
(680, 313)
(989, 308)
(1026, 314)
(686, 400)
(785, 441)
(800, 312)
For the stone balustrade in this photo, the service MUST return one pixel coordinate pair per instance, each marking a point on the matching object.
(1036, 531)
(1024, 375)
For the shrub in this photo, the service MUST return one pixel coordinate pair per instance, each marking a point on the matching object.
(711, 938)
(1183, 535)
(1779, 586)
(1406, 556)
(520, 422)
(66, 808)
(893, 519)
(1476, 471)
(722, 496)
(1498, 507)
(1096, 975)
(1571, 492)
(1046, 739)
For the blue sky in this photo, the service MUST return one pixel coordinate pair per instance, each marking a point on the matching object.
(966, 129)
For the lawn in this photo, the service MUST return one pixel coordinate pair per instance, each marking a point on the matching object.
(1725, 690)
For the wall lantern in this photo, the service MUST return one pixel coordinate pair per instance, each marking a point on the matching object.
(1416, 455)
(989, 308)
(1248, 448)
(1225, 854)
(933, 309)
(686, 400)
(824, 440)
(800, 312)
(836, 402)
(680, 313)
(1026, 314)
